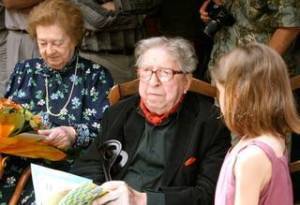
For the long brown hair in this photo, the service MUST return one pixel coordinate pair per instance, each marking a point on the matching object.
(258, 95)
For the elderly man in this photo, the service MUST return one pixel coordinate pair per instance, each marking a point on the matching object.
(174, 139)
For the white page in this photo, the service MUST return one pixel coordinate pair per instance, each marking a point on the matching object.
(49, 182)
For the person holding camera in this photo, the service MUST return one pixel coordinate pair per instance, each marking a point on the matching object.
(234, 23)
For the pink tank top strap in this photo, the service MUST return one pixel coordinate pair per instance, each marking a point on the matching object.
(266, 148)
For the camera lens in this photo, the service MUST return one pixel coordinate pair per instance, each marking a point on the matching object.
(219, 17)
(211, 28)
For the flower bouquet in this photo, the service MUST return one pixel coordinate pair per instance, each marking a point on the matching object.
(18, 136)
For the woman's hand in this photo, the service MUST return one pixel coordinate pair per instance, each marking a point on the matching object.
(119, 193)
(61, 137)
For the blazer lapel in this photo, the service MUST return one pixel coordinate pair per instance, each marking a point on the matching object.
(132, 133)
(181, 141)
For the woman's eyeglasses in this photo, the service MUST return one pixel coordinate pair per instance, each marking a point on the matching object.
(163, 74)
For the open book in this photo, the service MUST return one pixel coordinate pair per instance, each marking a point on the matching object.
(54, 187)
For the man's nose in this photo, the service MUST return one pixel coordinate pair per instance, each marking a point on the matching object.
(154, 80)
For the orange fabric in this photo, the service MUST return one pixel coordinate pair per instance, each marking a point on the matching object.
(155, 119)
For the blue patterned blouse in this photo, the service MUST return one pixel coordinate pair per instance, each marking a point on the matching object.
(82, 92)
(84, 103)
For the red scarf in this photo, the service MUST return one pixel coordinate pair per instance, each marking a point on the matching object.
(156, 119)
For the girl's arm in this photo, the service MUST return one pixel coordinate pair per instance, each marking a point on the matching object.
(252, 172)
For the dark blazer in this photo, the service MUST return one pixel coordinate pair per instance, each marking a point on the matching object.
(200, 135)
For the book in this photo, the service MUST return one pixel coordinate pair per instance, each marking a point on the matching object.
(54, 187)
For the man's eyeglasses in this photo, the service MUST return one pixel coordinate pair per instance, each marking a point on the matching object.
(163, 74)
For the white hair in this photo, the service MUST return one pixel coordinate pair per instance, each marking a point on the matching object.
(180, 49)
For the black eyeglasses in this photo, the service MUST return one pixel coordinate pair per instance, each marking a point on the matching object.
(163, 74)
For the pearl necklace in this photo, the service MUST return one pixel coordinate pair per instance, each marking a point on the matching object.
(63, 110)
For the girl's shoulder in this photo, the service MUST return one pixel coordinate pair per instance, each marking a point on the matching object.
(258, 154)
(251, 154)
(252, 162)
(272, 145)
(262, 144)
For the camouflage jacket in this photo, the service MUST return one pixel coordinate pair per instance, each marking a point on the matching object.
(255, 20)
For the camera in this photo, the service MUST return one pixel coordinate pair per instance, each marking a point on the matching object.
(219, 17)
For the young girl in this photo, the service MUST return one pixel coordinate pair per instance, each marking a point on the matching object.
(257, 103)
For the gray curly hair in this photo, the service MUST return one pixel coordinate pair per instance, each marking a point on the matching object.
(180, 49)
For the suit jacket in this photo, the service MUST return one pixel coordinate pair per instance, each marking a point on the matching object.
(200, 135)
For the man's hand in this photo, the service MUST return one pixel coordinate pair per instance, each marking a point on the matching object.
(203, 9)
(119, 193)
(61, 137)
(203, 12)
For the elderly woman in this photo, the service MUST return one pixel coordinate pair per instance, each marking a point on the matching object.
(68, 91)
(174, 139)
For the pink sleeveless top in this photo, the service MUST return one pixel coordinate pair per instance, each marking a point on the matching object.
(277, 192)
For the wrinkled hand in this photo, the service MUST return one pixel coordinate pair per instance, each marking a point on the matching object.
(110, 6)
(119, 193)
(61, 137)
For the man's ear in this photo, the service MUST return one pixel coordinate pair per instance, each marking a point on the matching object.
(188, 78)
